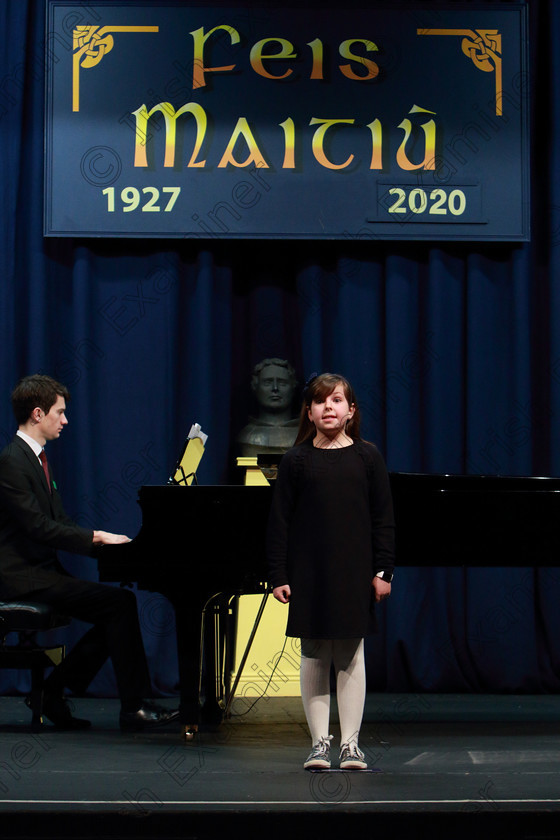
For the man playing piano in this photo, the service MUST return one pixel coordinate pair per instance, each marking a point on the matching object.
(33, 525)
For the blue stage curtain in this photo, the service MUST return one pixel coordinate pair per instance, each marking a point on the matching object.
(454, 351)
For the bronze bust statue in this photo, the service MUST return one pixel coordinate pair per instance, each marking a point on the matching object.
(274, 429)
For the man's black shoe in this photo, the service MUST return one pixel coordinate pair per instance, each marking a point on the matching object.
(57, 710)
(148, 716)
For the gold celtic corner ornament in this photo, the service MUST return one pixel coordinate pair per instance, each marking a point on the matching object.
(90, 45)
(484, 48)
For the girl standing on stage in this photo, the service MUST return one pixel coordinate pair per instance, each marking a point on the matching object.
(331, 556)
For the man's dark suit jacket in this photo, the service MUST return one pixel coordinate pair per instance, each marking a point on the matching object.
(33, 525)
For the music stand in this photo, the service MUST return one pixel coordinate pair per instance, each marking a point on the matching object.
(193, 450)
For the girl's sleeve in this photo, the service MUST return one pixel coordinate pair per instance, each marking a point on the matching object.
(283, 501)
(382, 517)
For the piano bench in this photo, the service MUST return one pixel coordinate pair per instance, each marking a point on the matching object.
(28, 618)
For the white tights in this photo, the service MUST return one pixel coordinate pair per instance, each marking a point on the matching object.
(347, 656)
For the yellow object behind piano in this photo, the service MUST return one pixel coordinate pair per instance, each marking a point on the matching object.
(273, 664)
(253, 473)
(189, 462)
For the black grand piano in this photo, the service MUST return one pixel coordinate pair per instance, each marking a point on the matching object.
(200, 545)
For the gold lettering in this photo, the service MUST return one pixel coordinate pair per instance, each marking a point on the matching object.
(200, 39)
(257, 57)
(242, 130)
(319, 140)
(170, 115)
(317, 67)
(429, 129)
(376, 144)
(371, 67)
(289, 144)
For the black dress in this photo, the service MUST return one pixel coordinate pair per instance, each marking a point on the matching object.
(331, 528)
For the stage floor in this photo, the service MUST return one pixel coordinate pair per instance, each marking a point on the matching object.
(438, 764)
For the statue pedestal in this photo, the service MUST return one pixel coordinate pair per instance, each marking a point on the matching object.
(260, 675)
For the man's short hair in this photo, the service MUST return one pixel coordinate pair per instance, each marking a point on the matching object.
(36, 391)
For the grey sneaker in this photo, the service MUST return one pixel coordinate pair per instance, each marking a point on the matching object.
(351, 757)
(319, 757)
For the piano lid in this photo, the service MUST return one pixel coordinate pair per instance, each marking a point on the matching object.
(473, 520)
(441, 520)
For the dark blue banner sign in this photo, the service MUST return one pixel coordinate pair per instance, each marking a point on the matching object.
(391, 122)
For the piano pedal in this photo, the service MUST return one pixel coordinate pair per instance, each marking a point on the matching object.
(189, 731)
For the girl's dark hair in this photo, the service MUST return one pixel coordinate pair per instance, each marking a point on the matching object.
(317, 390)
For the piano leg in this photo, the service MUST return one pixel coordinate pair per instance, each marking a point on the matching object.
(187, 628)
(214, 619)
(202, 656)
(196, 669)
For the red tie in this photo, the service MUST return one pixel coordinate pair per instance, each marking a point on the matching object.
(43, 459)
